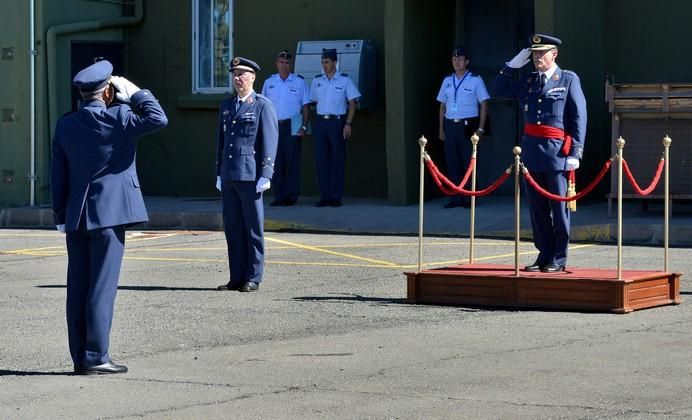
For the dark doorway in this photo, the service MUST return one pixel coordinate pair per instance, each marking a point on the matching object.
(85, 53)
(494, 31)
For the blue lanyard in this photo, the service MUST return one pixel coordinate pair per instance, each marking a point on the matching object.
(456, 87)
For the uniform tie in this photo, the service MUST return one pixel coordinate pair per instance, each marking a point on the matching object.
(543, 80)
(238, 103)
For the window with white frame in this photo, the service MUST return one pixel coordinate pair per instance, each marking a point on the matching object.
(212, 45)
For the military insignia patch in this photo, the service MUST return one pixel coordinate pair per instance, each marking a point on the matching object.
(556, 77)
(250, 100)
(235, 61)
(536, 39)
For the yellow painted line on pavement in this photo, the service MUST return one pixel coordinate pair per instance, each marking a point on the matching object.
(490, 257)
(326, 251)
(174, 259)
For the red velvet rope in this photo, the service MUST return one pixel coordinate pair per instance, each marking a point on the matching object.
(651, 186)
(585, 191)
(448, 187)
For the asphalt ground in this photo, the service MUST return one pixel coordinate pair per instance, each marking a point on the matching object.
(329, 335)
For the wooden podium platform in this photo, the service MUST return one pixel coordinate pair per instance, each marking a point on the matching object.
(579, 289)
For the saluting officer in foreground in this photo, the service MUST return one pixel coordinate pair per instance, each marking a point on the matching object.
(290, 96)
(246, 147)
(333, 92)
(554, 110)
(96, 194)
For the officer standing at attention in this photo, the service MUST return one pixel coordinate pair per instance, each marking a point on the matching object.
(554, 110)
(248, 135)
(332, 91)
(460, 117)
(290, 96)
(95, 193)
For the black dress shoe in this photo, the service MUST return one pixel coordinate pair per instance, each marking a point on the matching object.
(533, 267)
(229, 286)
(289, 202)
(277, 203)
(336, 203)
(323, 203)
(250, 286)
(552, 268)
(102, 369)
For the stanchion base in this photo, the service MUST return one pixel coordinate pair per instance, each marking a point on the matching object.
(578, 289)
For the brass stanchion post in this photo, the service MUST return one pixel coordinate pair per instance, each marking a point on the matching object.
(474, 141)
(621, 146)
(517, 192)
(422, 141)
(666, 196)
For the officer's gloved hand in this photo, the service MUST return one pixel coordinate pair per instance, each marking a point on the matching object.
(571, 164)
(125, 88)
(61, 228)
(263, 184)
(520, 60)
(218, 183)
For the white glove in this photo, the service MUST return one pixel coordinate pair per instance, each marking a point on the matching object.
(125, 88)
(218, 183)
(263, 184)
(571, 164)
(520, 60)
(61, 228)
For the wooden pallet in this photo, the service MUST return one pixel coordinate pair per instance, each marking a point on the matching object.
(579, 289)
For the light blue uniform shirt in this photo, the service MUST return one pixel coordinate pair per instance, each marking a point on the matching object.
(462, 95)
(333, 95)
(288, 96)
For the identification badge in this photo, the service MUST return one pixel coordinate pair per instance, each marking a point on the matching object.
(454, 107)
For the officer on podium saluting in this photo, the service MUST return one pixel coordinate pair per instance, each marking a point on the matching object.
(554, 111)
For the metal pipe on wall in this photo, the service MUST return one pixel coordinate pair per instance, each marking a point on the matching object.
(32, 103)
(69, 28)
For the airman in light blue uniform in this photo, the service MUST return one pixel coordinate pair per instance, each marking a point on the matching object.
(463, 112)
(335, 95)
(290, 95)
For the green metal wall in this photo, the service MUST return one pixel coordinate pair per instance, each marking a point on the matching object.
(581, 24)
(634, 41)
(14, 104)
(180, 159)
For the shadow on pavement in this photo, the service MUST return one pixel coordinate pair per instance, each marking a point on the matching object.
(4, 372)
(143, 288)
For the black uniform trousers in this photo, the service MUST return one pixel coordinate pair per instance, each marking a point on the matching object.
(243, 223)
(458, 150)
(330, 157)
(286, 178)
(93, 270)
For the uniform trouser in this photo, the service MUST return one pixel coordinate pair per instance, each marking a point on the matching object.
(94, 259)
(458, 150)
(549, 218)
(286, 179)
(243, 224)
(330, 157)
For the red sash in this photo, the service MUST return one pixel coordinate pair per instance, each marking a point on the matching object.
(535, 130)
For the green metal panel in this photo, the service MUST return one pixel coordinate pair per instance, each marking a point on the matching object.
(180, 159)
(14, 103)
